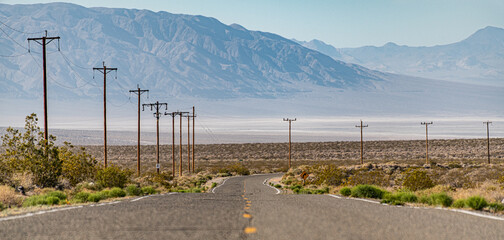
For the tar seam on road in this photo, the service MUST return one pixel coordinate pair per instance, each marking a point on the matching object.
(446, 209)
(264, 183)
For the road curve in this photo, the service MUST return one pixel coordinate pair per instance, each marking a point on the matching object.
(246, 208)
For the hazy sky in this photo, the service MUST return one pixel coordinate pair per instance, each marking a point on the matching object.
(342, 23)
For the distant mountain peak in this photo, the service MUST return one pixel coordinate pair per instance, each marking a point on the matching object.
(487, 35)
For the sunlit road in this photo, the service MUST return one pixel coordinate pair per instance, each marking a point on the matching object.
(246, 208)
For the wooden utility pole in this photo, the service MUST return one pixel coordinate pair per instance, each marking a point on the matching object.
(139, 93)
(188, 143)
(173, 114)
(105, 70)
(156, 107)
(193, 141)
(290, 147)
(44, 41)
(488, 139)
(361, 142)
(426, 141)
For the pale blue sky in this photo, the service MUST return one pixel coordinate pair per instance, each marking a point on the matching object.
(342, 23)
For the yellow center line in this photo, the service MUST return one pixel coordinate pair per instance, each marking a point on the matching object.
(249, 230)
(246, 215)
(245, 198)
(246, 208)
(249, 201)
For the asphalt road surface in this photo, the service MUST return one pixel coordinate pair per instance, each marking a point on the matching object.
(246, 208)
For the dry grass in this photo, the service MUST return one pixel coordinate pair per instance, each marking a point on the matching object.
(9, 197)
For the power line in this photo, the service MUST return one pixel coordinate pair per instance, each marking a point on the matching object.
(19, 31)
(19, 44)
(14, 56)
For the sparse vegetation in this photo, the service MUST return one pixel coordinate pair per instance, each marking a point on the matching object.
(346, 191)
(476, 202)
(416, 179)
(437, 199)
(367, 191)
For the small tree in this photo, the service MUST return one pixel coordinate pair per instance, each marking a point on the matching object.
(77, 165)
(30, 152)
(417, 180)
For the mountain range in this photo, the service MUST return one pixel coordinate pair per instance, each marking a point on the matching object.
(477, 59)
(224, 69)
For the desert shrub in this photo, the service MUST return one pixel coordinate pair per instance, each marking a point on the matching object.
(112, 176)
(88, 185)
(133, 190)
(328, 174)
(148, 190)
(476, 202)
(81, 197)
(96, 197)
(496, 207)
(161, 179)
(278, 186)
(437, 199)
(459, 203)
(9, 197)
(236, 168)
(35, 200)
(367, 191)
(367, 177)
(399, 198)
(58, 194)
(52, 200)
(417, 180)
(30, 152)
(77, 166)
(214, 184)
(2, 207)
(116, 192)
(346, 191)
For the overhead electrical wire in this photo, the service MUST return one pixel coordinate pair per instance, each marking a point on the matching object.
(19, 31)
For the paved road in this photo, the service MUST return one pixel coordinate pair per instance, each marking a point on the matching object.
(245, 208)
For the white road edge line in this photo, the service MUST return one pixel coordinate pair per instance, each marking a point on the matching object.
(264, 183)
(69, 208)
(38, 213)
(213, 189)
(414, 207)
(140, 198)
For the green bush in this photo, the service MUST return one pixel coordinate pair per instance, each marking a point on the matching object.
(81, 197)
(105, 192)
(496, 207)
(148, 190)
(35, 200)
(214, 184)
(112, 176)
(417, 180)
(51, 200)
(77, 165)
(346, 191)
(278, 186)
(133, 190)
(437, 199)
(367, 191)
(476, 202)
(1, 207)
(28, 151)
(367, 177)
(399, 198)
(96, 197)
(58, 194)
(459, 203)
(116, 193)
